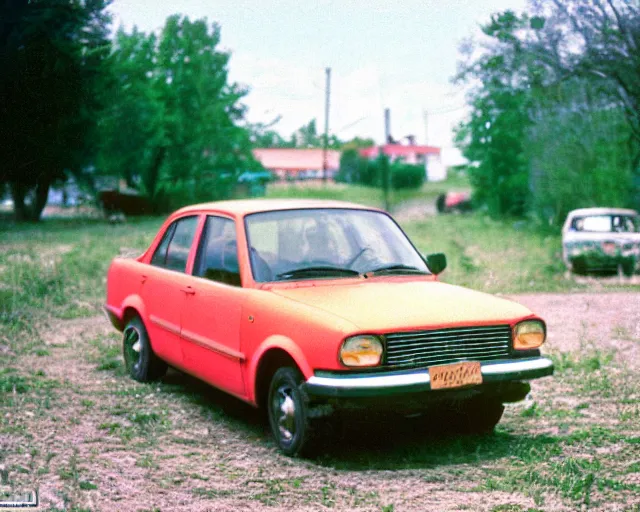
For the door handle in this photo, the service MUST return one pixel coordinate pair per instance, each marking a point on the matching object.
(189, 290)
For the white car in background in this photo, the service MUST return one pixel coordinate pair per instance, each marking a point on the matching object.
(601, 240)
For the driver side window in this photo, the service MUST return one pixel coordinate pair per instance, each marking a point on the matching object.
(217, 257)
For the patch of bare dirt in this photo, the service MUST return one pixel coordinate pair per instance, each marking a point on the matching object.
(583, 321)
(416, 209)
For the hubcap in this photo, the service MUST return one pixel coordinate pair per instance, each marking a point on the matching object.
(284, 411)
(132, 348)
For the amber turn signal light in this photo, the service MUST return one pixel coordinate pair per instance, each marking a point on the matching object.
(529, 334)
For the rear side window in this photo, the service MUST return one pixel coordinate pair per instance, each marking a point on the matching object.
(160, 256)
(173, 251)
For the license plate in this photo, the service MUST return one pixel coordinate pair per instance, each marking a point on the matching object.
(455, 375)
(609, 248)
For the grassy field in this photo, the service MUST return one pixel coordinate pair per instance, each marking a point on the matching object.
(364, 195)
(74, 424)
(494, 256)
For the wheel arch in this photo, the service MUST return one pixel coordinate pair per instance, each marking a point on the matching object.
(132, 306)
(274, 353)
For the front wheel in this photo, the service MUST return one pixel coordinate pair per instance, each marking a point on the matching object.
(579, 266)
(480, 416)
(141, 362)
(288, 417)
(473, 416)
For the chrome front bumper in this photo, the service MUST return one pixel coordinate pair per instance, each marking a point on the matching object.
(350, 385)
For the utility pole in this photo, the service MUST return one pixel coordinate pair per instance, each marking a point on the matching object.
(425, 115)
(326, 125)
(384, 162)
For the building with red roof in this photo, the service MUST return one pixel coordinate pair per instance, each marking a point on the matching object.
(429, 156)
(305, 163)
(298, 163)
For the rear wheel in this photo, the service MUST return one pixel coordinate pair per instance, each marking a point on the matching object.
(628, 266)
(140, 360)
(288, 414)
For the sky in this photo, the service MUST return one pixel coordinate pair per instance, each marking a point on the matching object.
(382, 54)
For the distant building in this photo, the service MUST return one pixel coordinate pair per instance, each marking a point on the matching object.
(429, 156)
(296, 163)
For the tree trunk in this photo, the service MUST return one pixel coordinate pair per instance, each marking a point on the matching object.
(635, 179)
(151, 182)
(41, 196)
(32, 212)
(18, 192)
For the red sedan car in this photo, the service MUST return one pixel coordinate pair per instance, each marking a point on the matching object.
(304, 307)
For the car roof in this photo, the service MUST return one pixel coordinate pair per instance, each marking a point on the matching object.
(241, 207)
(602, 211)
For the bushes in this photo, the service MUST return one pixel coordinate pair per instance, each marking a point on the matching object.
(407, 175)
(356, 169)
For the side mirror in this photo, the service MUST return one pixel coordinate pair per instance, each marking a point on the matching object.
(436, 262)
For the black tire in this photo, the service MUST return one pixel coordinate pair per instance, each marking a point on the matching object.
(289, 420)
(579, 266)
(139, 359)
(480, 416)
(629, 266)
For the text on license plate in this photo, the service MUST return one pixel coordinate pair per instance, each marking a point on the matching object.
(455, 375)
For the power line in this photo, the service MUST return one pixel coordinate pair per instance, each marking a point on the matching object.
(326, 126)
(351, 124)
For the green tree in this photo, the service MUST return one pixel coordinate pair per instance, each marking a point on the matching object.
(358, 143)
(307, 136)
(351, 166)
(185, 116)
(597, 41)
(493, 138)
(264, 136)
(578, 151)
(571, 69)
(131, 126)
(52, 56)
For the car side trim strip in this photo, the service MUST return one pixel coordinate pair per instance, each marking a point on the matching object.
(171, 327)
(422, 376)
(212, 345)
(197, 339)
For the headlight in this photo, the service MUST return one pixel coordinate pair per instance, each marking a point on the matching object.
(361, 351)
(529, 334)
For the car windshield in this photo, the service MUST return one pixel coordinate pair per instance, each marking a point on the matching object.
(317, 243)
(606, 224)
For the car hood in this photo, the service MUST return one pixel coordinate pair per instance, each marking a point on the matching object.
(387, 305)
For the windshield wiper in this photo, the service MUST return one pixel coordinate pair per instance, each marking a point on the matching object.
(397, 269)
(320, 271)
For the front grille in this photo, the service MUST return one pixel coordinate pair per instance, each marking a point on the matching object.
(444, 346)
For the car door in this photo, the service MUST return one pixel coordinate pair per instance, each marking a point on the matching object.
(164, 288)
(211, 314)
